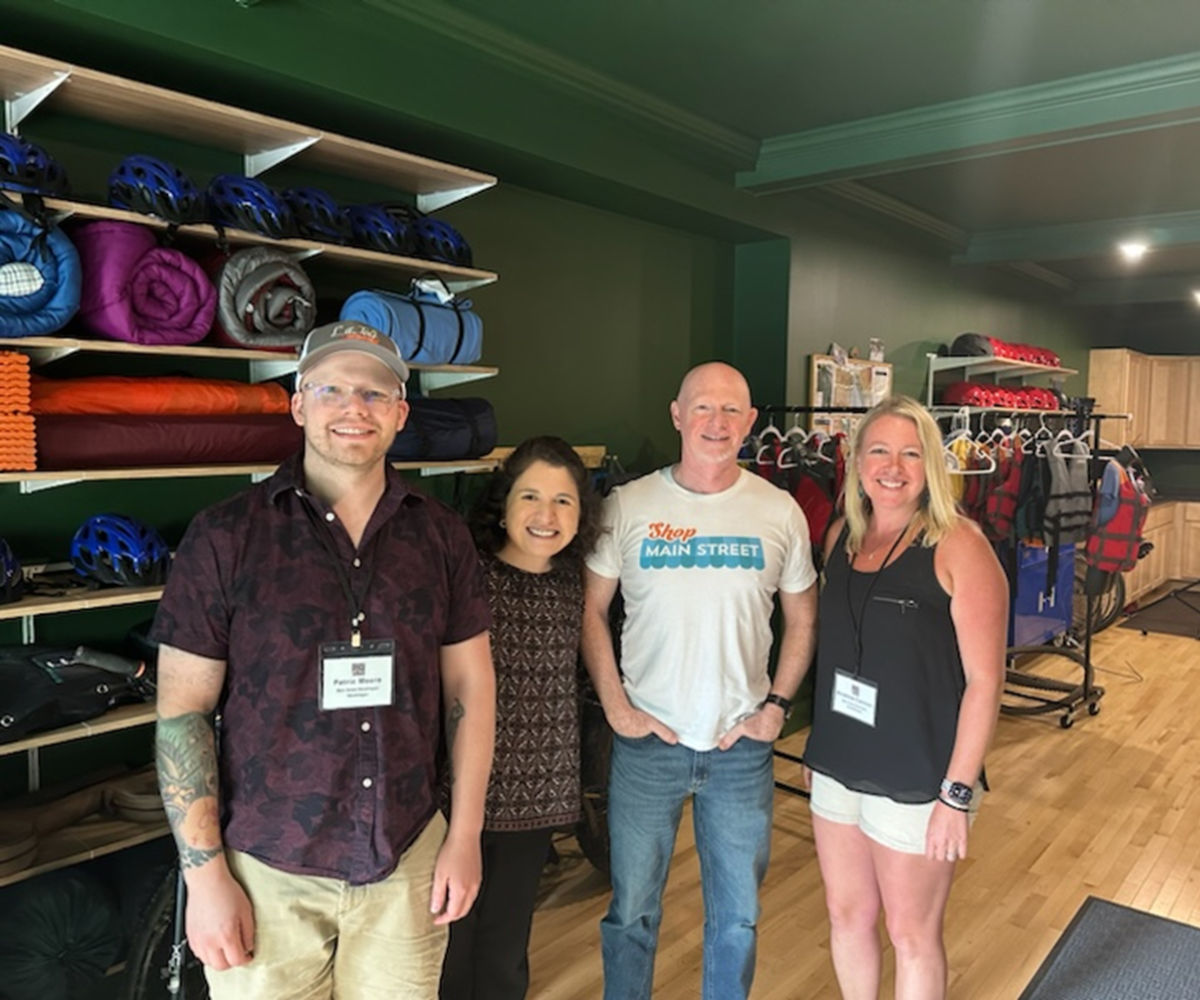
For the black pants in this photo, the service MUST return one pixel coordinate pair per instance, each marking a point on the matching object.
(487, 958)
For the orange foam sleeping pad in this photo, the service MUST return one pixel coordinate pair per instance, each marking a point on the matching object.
(162, 395)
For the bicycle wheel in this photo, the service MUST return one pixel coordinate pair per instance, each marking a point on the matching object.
(1113, 603)
(1107, 604)
(148, 973)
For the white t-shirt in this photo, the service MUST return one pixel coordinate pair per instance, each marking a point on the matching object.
(698, 573)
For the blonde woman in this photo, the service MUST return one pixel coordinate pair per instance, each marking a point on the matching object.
(910, 667)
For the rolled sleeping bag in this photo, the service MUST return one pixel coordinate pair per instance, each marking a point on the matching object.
(40, 276)
(265, 300)
(429, 327)
(134, 290)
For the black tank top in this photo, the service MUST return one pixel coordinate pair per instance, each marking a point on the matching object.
(909, 650)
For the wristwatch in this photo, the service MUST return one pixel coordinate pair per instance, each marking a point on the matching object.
(957, 795)
(782, 702)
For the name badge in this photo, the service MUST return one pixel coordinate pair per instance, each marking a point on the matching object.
(361, 676)
(855, 697)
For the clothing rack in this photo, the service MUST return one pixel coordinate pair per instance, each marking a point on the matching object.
(768, 410)
(1041, 695)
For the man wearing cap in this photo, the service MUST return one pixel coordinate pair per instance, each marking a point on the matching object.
(337, 620)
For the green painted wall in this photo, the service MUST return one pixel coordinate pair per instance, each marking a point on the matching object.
(852, 280)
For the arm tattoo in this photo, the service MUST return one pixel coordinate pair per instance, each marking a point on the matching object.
(187, 778)
(453, 718)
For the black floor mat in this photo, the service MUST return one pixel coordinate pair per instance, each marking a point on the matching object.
(1113, 952)
(1178, 613)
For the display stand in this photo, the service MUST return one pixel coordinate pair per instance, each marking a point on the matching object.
(1041, 695)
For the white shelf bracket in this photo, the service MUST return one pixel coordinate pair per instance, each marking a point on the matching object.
(457, 285)
(434, 200)
(38, 485)
(445, 470)
(44, 355)
(17, 109)
(264, 371)
(432, 381)
(257, 163)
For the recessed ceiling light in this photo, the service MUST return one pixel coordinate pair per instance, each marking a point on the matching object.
(1133, 250)
(1196, 295)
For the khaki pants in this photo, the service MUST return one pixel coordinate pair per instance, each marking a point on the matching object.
(323, 939)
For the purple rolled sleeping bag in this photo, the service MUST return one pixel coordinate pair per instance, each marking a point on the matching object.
(137, 291)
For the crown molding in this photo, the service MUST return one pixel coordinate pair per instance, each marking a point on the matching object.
(1136, 291)
(893, 208)
(1042, 274)
(1132, 98)
(1080, 240)
(570, 78)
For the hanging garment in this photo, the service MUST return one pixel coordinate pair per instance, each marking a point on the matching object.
(1113, 546)
(976, 485)
(1032, 496)
(960, 448)
(1000, 508)
(1069, 505)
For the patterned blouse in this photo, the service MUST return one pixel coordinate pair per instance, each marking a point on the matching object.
(537, 619)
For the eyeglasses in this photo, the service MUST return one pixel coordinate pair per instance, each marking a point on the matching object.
(340, 395)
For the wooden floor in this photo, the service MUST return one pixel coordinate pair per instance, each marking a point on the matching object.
(1109, 807)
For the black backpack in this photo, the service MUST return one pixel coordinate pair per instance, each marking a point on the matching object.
(44, 687)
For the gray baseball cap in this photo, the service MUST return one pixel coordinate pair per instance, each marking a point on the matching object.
(351, 335)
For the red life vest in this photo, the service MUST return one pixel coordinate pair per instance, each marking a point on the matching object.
(1001, 508)
(1113, 546)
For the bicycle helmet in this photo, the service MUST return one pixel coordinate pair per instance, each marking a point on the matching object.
(26, 167)
(152, 186)
(317, 215)
(12, 580)
(438, 240)
(246, 203)
(117, 550)
(382, 227)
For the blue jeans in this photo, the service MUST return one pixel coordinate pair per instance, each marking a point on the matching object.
(733, 797)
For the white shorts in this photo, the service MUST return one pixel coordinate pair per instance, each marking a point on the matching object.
(898, 825)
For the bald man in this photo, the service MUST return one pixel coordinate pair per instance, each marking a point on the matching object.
(700, 549)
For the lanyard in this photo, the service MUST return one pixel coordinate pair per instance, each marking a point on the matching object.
(857, 623)
(355, 601)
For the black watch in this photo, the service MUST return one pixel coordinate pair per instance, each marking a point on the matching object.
(957, 794)
(782, 702)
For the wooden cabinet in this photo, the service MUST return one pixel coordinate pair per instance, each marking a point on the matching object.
(1160, 393)
(1189, 542)
(1162, 562)
(1119, 381)
(1191, 434)
(1167, 409)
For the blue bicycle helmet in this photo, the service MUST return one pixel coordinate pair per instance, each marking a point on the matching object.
(154, 187)
(26, 167)
(114, 549)
(438, 240)
(382, 227)
(12, 580)
(246, 203)
(317, 215)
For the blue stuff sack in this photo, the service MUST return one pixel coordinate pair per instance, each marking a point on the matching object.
(429, 324)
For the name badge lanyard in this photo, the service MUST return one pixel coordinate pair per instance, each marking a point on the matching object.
(353, 600)
(857, 622)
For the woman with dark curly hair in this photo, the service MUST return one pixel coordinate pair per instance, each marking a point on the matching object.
(534, 524)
